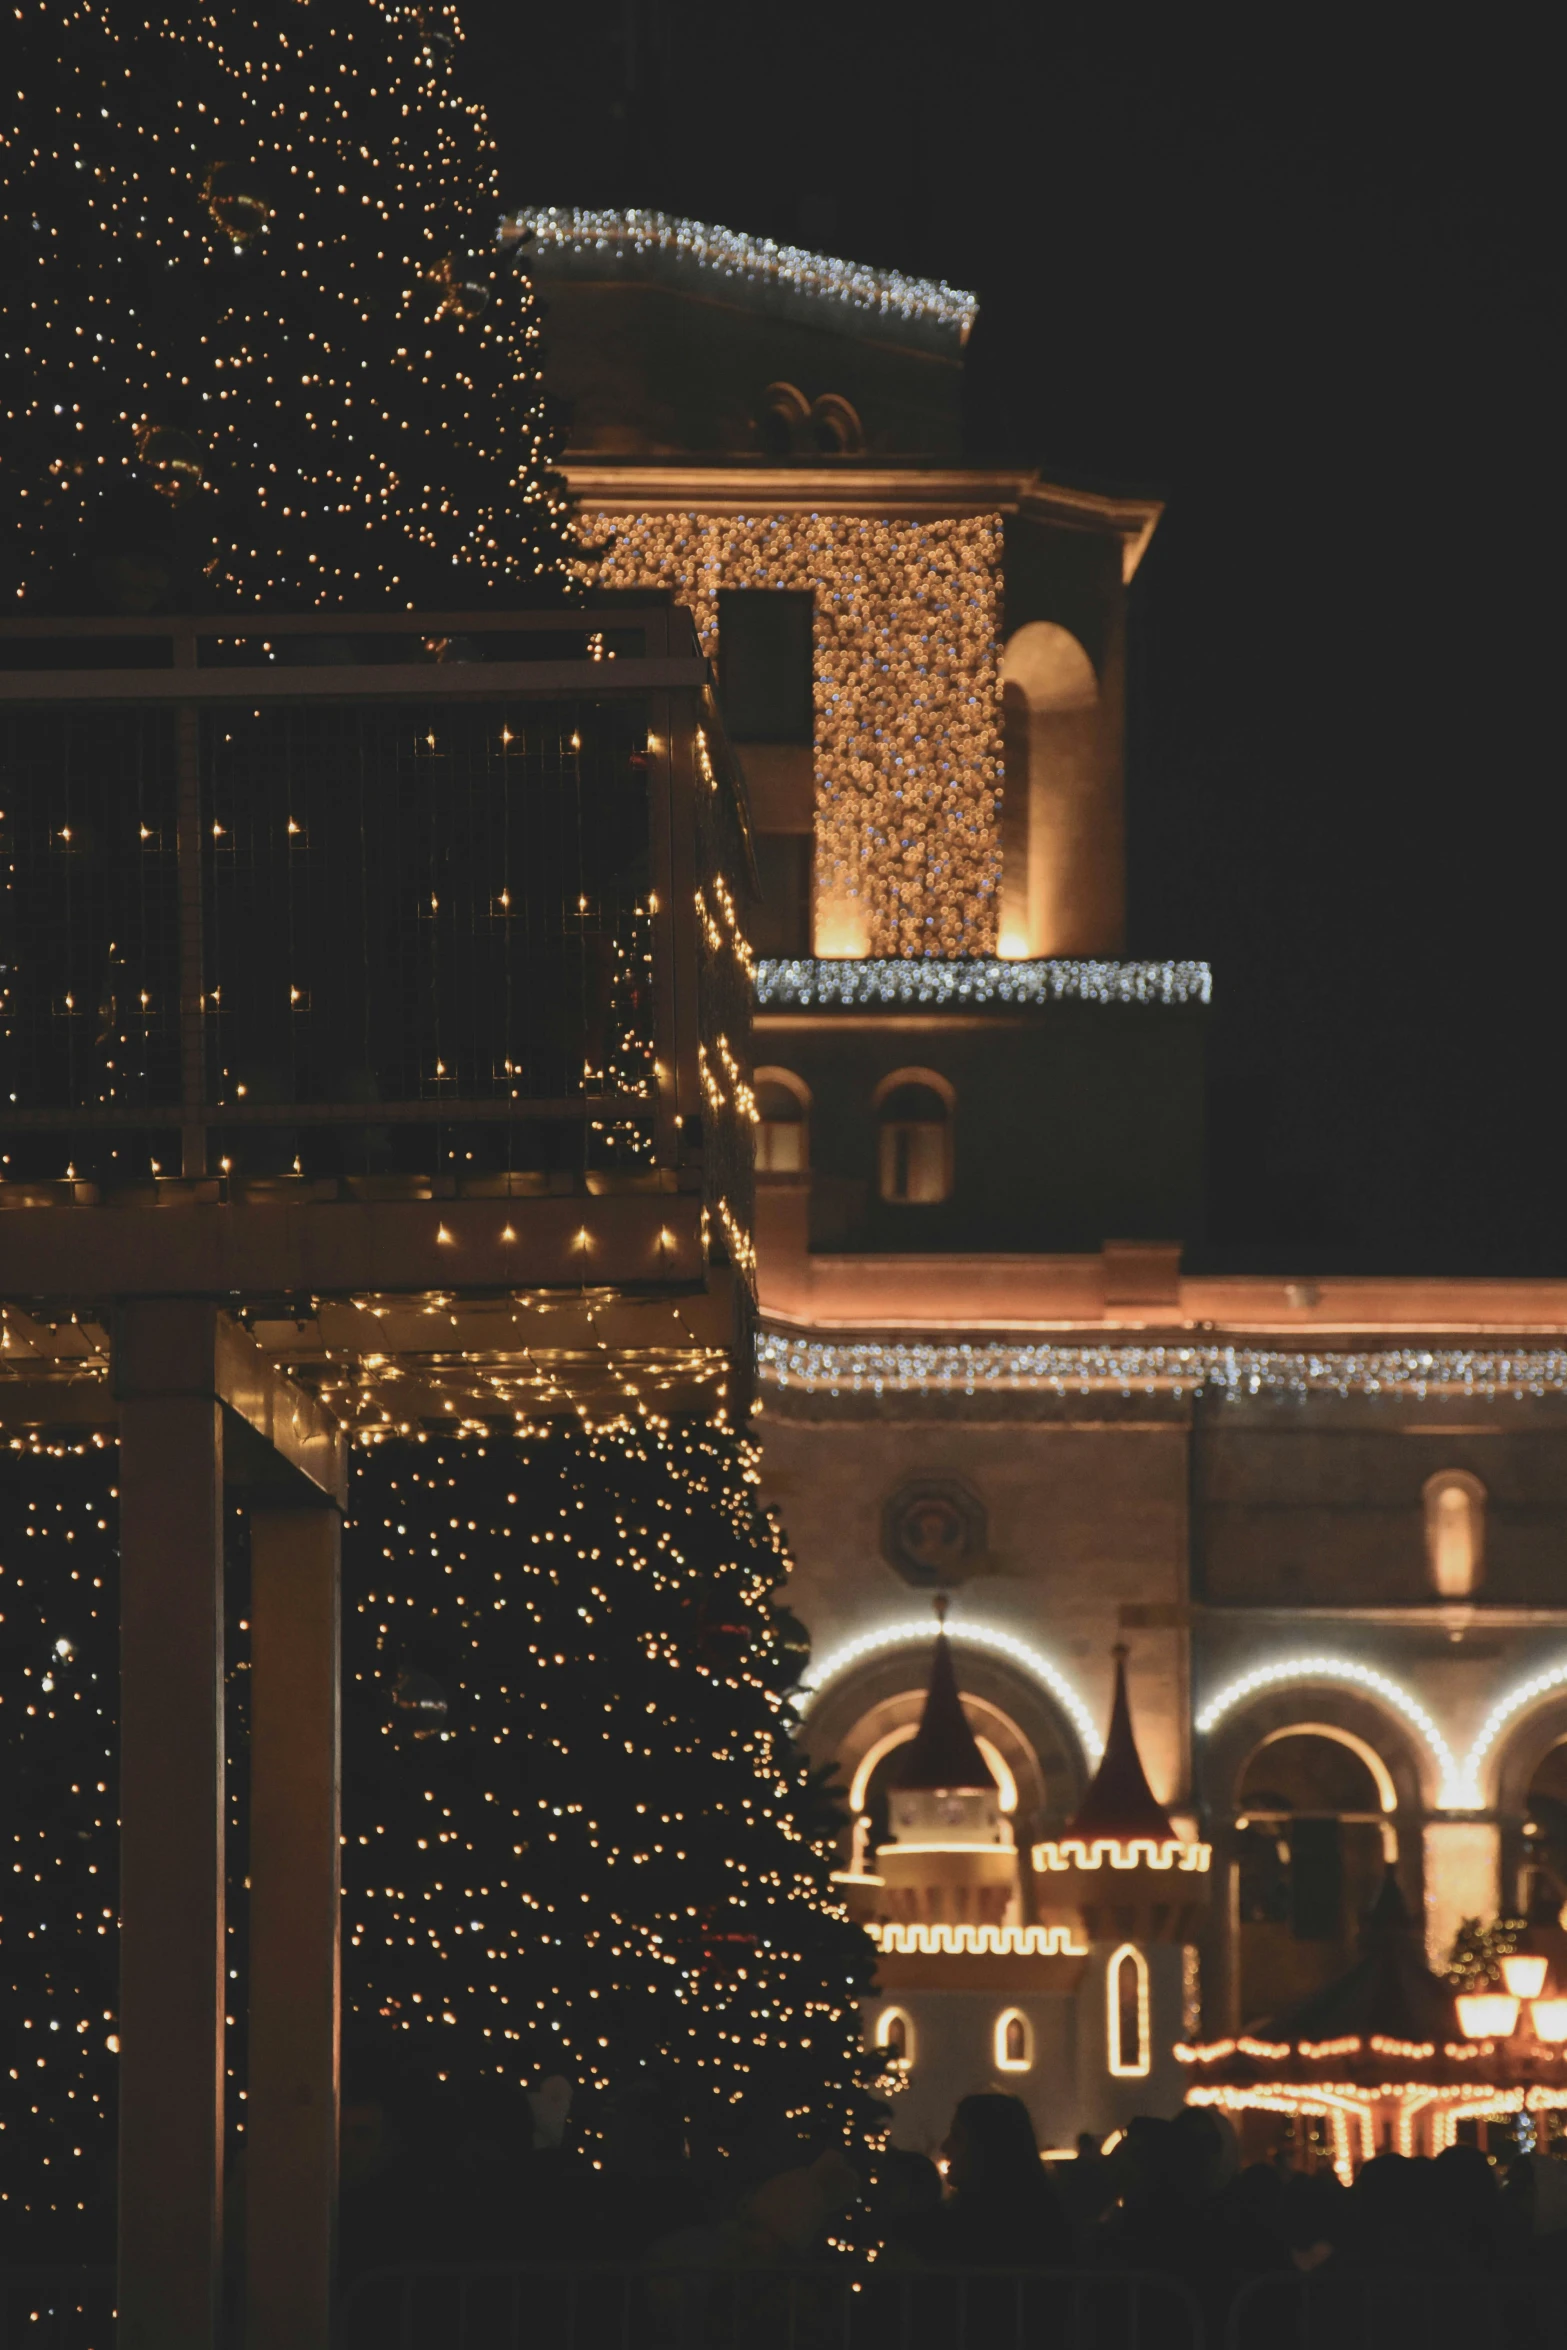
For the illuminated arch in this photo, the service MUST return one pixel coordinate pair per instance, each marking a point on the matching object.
(1127, 2064)
(1348, 1673)
(1000, 1770)
(1013, 2042)
(982, 1636)
(1387, 1793)
(1507, 1710)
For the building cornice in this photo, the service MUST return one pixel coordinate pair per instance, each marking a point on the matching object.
(918, 492)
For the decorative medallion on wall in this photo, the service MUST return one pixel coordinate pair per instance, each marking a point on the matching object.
(933, 1532)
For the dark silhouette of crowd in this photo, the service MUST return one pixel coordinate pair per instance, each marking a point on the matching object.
(771, 2229)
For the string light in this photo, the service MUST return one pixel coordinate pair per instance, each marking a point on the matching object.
(819, 984)
(897, 1939)
(1284, 1671)
(908, 700)
(1049, 1367)
(562, 235)
(602, 1854)
(984, 1636)
(208, 399)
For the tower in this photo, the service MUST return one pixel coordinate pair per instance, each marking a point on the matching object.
(950, 1858)
(1138, 1894)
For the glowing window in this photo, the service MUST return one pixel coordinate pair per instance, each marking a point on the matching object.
(1014, 2041)
(783, 1134)
(1455, 1531)
(895, 2035)
(1126, 2013)
(914, 1141)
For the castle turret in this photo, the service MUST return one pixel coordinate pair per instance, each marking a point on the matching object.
(1120, 1868)
(950, 1858)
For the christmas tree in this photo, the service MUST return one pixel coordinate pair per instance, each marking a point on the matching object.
(579, 1839)
(59, 1622)
(259, 345)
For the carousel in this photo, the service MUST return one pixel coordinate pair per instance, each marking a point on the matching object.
(1389, 2059)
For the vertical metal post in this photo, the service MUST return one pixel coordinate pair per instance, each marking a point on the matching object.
(291, 2111)
(193, 1067)
(171, 1827)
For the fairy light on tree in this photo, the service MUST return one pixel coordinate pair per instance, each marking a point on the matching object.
(580, 1839)
(59, 1624)
(260, 346)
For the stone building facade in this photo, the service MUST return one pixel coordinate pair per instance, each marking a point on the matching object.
(1327, 1516)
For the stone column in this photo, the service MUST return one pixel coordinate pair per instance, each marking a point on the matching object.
(171, 1827)
(295, 1907)
(1463, 1879)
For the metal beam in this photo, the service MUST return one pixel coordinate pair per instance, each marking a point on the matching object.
(291, 2114)
(171, 2015)
(328, 1248)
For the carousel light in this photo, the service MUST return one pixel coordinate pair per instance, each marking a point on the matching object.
(1488, 2015)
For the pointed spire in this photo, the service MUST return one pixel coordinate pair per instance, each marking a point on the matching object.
(1120, 1802)
(943, 1752)
(1389, 1912)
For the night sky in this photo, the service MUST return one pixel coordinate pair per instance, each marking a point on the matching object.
(1294, 276)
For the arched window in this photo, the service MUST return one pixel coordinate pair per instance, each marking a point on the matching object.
(836, 426)
(1455, 1531)
(783, 1132)
(1014, 2041)
(783, 422)
(914, 1138)
(895, 2035)
(1060, 820)
(1126, 2013)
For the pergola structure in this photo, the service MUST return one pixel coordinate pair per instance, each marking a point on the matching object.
(377, 1040)
(1383, 2057)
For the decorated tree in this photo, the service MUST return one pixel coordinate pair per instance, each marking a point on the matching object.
(258, 345)
(59, 1624)
(579, 1837)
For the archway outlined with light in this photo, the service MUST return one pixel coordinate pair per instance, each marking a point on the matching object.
(988, 1638)
(1347, 1672)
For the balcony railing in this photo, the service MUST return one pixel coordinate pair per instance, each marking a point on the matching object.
(333, 906)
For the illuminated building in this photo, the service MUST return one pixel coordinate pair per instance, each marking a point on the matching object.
(1077, 2009)
(1000, 1357)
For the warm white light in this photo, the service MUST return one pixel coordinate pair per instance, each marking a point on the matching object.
(1487, 2015)
(917, 1635)
(1550, 2019)
(1357, 1676)
(942, 1941)
(1524, 1975)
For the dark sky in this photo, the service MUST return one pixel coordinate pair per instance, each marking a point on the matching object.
(1296, 276)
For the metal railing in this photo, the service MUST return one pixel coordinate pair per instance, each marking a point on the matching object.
(844, 2305)
(364, 897)
(1432, 2308)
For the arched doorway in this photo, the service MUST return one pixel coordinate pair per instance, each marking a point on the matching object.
(1312, 1838)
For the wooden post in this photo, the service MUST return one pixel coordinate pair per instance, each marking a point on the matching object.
(171, 1827)
(291, 2107)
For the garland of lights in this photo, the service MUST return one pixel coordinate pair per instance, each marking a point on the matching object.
(262, 344)
(815, 984)
(755, 261)
(582, 1840)
(936, 1367)
(908, 702)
